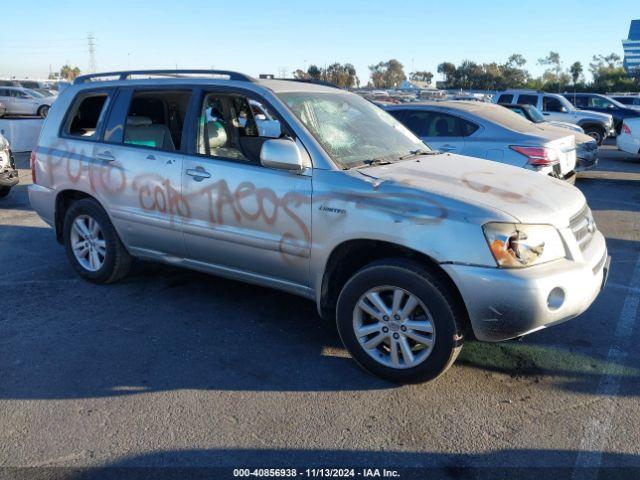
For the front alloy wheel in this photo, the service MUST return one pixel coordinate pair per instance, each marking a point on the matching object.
(401, 320)
(394, 327)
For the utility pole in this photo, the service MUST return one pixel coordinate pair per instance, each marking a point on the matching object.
(91, 42)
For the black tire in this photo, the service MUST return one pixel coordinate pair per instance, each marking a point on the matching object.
(43, 111)
(117, 260)
(429, 287)
(4, 191)
(597, 133)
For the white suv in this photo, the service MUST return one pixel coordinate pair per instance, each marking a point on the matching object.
(557, 108)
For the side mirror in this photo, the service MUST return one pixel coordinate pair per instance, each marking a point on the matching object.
(281, 154)
(564, 109)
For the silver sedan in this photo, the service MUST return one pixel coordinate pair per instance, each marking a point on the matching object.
(490, 132)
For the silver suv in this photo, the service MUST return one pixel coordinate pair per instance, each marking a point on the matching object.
(557, 108)
(410, 250)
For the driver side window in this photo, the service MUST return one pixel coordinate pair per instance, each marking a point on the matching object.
(551, 104)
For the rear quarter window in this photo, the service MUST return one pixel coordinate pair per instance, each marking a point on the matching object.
(505, 98)
(85, 115)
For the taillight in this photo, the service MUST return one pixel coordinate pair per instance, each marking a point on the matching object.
(33, 166)
(626, 129)
(538, 156)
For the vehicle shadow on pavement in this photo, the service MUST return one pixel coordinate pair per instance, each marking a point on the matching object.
(506, 464)
(165, 328)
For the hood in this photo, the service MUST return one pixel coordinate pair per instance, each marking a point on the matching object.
(569, 126)
(527, 196)
(604, 117)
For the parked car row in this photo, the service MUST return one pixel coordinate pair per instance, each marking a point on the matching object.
(411, 250)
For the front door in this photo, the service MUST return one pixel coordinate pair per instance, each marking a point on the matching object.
(243, 216)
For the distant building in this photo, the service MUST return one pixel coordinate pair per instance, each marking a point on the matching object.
(631, 48)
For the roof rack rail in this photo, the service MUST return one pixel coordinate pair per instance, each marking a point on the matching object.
(310, 80)
(125, 74)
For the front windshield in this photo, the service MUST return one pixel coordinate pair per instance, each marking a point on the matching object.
(536, 115)
(351, 129)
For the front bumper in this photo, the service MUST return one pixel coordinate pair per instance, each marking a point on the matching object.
(8, 172)
(508, 303)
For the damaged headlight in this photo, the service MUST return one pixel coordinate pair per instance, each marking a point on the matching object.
(517, 245)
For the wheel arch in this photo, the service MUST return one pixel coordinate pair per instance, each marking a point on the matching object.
(64, 199)
(351, 255)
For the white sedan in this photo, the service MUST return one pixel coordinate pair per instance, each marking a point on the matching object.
(629, 138)
(24, 101)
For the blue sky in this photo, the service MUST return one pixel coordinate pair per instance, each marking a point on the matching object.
(267, 36)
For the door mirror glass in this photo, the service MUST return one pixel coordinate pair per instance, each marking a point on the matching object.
(268, 128)
(281, 154)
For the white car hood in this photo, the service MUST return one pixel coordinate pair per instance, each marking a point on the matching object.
(527, 196)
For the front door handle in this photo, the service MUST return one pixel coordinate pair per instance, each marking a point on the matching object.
(105, 156)
(198, 173)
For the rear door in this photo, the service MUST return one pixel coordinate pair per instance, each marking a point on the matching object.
(439, 130)
(142, 145)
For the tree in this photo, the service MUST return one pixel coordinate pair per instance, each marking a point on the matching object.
(448, 70)
(387, 74)
(69, 73)
(576, 72)
(421, 76)
(553, 74)
(343, 76)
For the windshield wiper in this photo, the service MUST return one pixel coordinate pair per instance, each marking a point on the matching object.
(417, 153)
(373, 162)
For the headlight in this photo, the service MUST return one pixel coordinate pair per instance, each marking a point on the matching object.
(517, 245)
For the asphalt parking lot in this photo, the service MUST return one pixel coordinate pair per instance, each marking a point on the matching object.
(174, 368)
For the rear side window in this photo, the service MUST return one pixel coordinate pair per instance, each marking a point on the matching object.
(468, 128)
(505, 98)
(85, 115)
(155, 119)
(433, 124)
(528, 100)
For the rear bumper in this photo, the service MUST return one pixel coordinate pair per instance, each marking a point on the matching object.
(508, 303)
(43, 201)
(628, 143)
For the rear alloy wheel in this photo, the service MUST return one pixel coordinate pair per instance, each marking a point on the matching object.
(92, 243)
(43, 111)
(400, 321)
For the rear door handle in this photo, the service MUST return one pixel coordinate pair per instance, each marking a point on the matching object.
(198, 173)
(105, 156)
